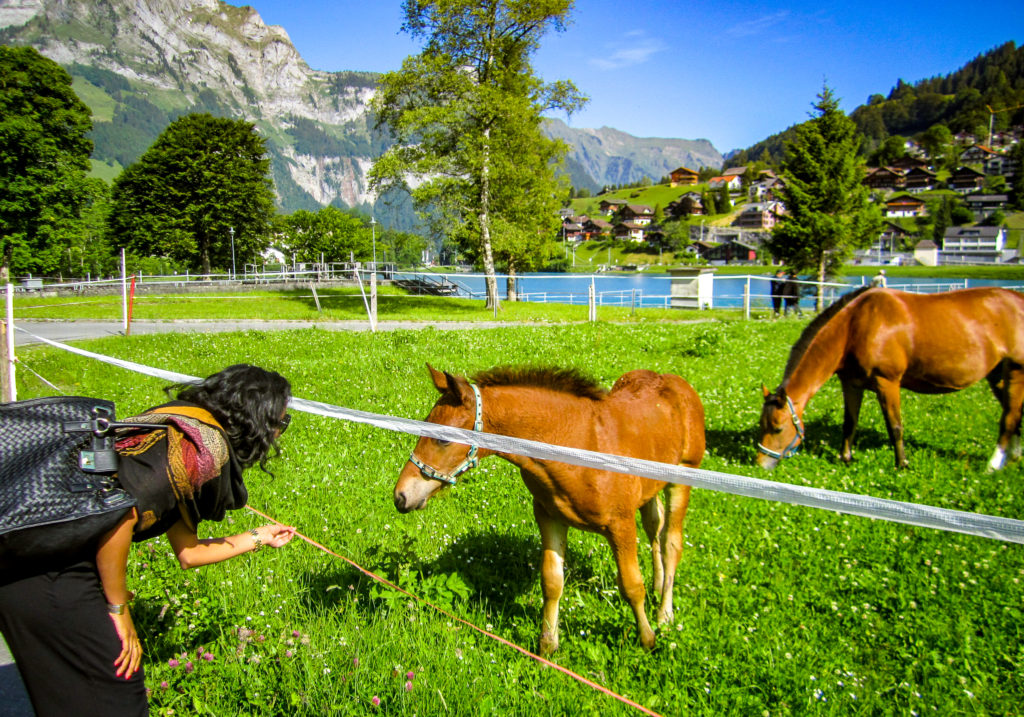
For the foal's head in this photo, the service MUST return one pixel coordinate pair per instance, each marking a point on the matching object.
(435, 463)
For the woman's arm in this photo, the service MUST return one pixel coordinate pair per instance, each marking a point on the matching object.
(112, 564)
(193, 551)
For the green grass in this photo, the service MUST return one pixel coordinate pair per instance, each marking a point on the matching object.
(342, 304)
(779, 609)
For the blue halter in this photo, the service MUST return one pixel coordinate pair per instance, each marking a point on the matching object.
(471, 460)
(794, 445)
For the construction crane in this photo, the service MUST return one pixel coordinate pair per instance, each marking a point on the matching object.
(991, 116)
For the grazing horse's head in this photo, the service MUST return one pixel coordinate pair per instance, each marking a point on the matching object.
(781, 429)
(435, 463)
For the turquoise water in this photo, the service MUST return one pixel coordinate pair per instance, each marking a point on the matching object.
(653, 290)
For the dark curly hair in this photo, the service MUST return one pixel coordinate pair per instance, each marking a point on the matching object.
(248, 402)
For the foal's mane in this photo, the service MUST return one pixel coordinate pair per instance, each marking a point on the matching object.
(801, 345)
(566, 380)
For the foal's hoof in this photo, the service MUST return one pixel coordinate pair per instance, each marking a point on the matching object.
(548, 644)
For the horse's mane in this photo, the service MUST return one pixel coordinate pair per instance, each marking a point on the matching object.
(567, 380)
(801, 345)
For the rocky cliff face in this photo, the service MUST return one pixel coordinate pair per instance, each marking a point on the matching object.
(140, 63)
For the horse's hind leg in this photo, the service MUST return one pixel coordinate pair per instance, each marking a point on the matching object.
(652, 515)
(553, 537)
(677, 500)
(1007, 383)
(889, 399)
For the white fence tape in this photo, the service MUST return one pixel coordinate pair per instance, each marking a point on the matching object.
(987, 526)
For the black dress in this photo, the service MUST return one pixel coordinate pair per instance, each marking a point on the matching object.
(54, 616)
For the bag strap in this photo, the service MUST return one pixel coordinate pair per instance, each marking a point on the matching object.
(200, 414)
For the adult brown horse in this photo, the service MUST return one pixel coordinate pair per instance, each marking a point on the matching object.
(882, 340)
(645, 415)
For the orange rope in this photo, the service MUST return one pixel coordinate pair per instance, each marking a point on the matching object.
(524, 651)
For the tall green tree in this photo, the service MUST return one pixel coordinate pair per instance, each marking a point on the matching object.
(44, 157)
(828, 211)
(459, 113)
(329, 234)
(201, 194)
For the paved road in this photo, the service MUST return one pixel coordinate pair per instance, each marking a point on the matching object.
(88, 329)
(13, 699)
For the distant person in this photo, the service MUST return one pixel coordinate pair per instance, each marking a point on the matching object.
(778, 291)
(791, 295)
(879, 279)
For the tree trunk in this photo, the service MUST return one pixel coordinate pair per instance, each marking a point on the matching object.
(493, 302)
(510, 283)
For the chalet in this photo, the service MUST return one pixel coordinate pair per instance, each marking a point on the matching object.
(904, 206)
(608, 207)
(985, 205)
(975, 154)
(973, 244)
(730, 251)
(732, 181)
(701, 248)
(640, 214)
(892, 239)
(571, 231)
(734, 172)
(761, 216)
(766, 189)
(920, 179)
(885, 178)
(965, 180)
(593, 228)
(686, 205)
(629, 231)
(682, 177)
(907, 162)
(1002, 164)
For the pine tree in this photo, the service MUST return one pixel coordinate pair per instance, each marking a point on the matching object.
(462, 110)
(828, 211)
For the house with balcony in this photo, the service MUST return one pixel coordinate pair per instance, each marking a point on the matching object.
(686, 205)
(761, 216)
(639, 214)
(974, 245)
(629, 231)
(596, 227)
(732, 181)
(1001, 164)
(920, 179)
(904, 205)
(985, 205)
(966, 180)
(609, 207)
(976, 154)
(682, 177)
(885, 179)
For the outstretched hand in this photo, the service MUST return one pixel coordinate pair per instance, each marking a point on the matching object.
(275, 535)
(128, 662)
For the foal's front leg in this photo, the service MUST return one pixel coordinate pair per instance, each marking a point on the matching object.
(553, 538)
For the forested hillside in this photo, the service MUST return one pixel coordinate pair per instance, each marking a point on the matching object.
(961, 101)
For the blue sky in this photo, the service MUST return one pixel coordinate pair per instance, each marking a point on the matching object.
(730, 72)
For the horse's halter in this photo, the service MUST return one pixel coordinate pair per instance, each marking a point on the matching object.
(471, 460)
(794, 445)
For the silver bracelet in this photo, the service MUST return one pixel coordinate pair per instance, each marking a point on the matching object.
(257, 543)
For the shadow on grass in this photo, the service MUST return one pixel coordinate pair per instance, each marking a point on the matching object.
(497, 569)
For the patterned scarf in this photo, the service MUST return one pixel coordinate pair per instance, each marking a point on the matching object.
(187, 467)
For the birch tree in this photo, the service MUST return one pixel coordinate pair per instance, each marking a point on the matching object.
(462, 110)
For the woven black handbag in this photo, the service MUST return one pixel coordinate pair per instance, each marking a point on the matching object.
(58, 490)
